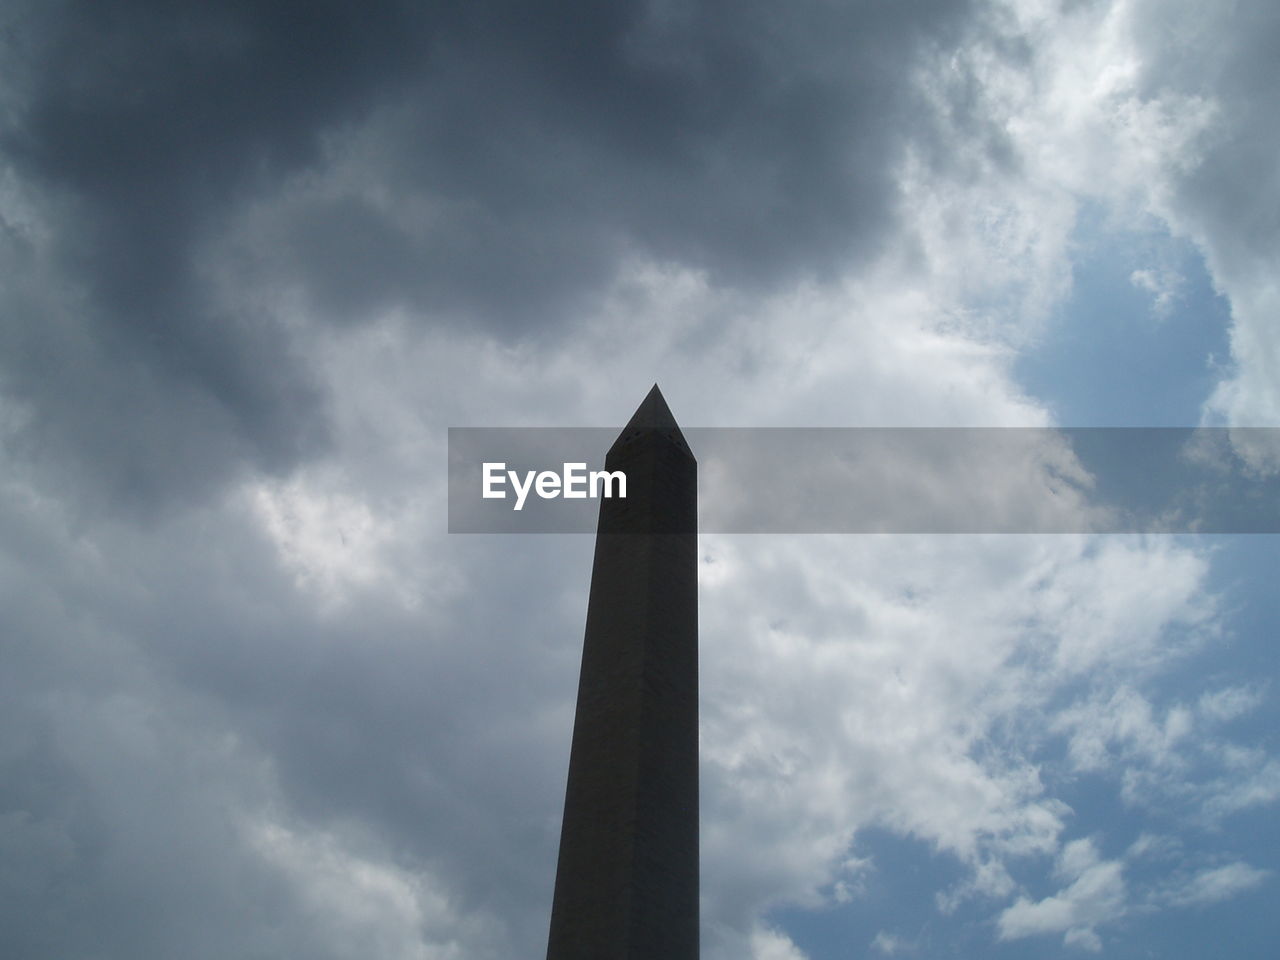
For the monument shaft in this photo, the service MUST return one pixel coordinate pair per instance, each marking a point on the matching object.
(627, 878)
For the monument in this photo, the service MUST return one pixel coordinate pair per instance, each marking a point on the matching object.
(627, 877)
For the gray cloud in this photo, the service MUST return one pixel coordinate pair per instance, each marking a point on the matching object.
(1223, 194)
(137, 130)
(1229, 192)
(187, 162)
(219, 738)
(165, 716)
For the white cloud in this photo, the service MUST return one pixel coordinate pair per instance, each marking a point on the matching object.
(1174, 761)
(1250, 397)
(1213, 885)
(1081, 114)
(1121, 730)
(768, 943)
(1095, 895)
(366, 903)
(1152, 846)
(889, 944)
(328, 540)
(1096, 892)
(1160, 112)
(1252, 779)
(864, 686)
(1165, 287)
(1229, 703)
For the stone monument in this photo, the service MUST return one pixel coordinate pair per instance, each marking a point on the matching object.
(627, 877)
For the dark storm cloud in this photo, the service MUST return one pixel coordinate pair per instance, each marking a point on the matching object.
(750, 141)
(143, 125)
(525, 150)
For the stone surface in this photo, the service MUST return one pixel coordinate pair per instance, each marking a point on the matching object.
(627, 878)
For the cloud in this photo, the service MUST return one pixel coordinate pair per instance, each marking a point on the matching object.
(420, 686)
(1095, 895)
(362, 903)
(1175, 762)
(1215, 884)
(1251, 778)
(192, 738)
(130, 135)
(767, 944)
(905, 683)
(1126, 722)
(1097, 892)
(891, 945)
(255, 701)
(1164, 288)
(1168, 127)
(1227, 201)
(185, 174)
(1228, 703)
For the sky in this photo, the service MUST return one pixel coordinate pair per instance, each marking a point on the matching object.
(255, 259)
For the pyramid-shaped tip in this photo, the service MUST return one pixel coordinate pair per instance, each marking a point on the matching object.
(653, 417)
(653, 413)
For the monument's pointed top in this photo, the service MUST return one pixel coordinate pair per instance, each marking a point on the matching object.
(653, 413)
(652, 417)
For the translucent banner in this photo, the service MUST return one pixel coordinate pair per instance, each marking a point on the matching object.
(888, 480)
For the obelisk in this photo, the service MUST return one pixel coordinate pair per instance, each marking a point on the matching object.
(627, 878)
